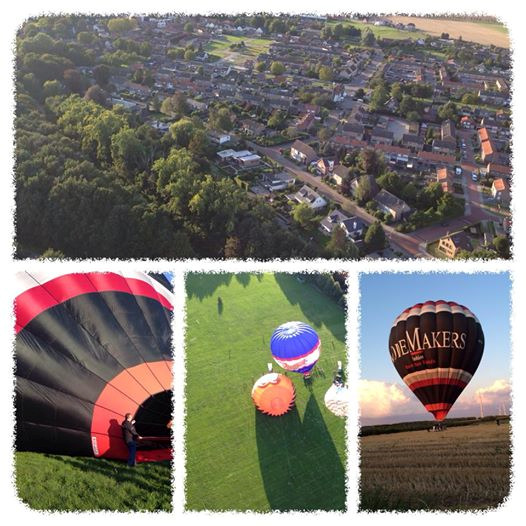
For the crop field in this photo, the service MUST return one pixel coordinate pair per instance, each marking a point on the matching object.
(236, 457)
(458, 469)
(62, 483)
(219, 48)
(474, 31)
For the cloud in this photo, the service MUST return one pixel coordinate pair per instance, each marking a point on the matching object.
(495, 398)
(498, 388)
(380, 399)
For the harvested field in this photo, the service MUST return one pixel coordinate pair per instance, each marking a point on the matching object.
(458, 469)
(481, 32)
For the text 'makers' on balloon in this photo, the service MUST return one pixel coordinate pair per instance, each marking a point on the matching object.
(436, 347)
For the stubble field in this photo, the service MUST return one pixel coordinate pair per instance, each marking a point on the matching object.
(458, 469)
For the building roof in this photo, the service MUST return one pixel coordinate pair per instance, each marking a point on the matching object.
(460, 240)
(435, 156)
(303, 148)
(501, 185)
(390, 201)
(487, 147)
(380, 132)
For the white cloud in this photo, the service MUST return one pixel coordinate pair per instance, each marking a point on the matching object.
(380, 399)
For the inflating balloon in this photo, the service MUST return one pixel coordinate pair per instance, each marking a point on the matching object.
(90, 348)
(273, 394)
(436, 348)
(296, 347)
(337, 396)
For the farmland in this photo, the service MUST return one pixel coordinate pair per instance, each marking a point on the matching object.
(238, 458)
(462, 468)
(62, 483)
(471, 30)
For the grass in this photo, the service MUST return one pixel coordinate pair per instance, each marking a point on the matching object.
(382, 31)
(236, 457)
(220, 48)
(458, 469)
(62, 483)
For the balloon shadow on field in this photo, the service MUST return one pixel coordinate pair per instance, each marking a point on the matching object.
(300, 466)
(299, 293)
(244, 278)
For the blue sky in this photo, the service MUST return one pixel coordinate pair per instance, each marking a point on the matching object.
(384, 296)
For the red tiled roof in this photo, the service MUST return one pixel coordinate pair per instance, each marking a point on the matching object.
(483, 134)
(487, 147)
(500, 185)
(434, 156)
(387, 148)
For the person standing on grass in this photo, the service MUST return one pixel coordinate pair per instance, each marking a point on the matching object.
(130, 436)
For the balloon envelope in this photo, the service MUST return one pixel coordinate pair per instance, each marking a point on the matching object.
(91, 347)
(273, 394)
(337, 399)
(295, 346)
(436, 347)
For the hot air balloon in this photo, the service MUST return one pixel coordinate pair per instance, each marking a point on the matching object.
(436, 348)
(91, 347)
(273, 394)
(337, 396)
(296, 347)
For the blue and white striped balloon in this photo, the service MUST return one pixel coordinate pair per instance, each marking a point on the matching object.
(295, 346)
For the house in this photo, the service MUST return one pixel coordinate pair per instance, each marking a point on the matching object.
(467, 123)
(415, 142)
(324, 166)
(445, 178)
(305, 122)
(498, 170)
(447, 132)
(500, 190)
(487, 147)
(452, 244)
(249, 160)
(308, 196)
(380, 136)
(252, 127)
(390, 204)
(353, 130)
(332, 220)
(339, 173)
(302, 152)
(353, 226)
(444, 147)
(218, 137)
(432, 160)
(279, 181)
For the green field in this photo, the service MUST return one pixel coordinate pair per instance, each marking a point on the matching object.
(236, 457)
(462, 468)
(382, 31)
(220, 48)
(61, 483)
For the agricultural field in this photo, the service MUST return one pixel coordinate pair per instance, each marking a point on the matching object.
(237, 458)
(62, 483)
(482, 32)
(461, 468)
(219, 48)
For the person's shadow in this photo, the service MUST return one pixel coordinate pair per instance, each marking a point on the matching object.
(219, 305)
(300, 466)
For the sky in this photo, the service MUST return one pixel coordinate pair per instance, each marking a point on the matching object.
(384, 398)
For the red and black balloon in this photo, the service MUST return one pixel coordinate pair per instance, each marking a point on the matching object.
(436, 347)
(91, 347)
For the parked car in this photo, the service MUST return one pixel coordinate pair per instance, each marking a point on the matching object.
(458, 170)
(474, 176)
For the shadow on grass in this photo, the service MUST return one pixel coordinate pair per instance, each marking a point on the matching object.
(300, 466)
(301, 294)
(202, 285)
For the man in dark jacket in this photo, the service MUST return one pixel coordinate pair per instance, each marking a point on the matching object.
(130, 436)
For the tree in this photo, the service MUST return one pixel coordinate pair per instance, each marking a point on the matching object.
(396, 91)
(189, 54)
(366, 188)
(277, 120)
(368, 38)
(325, 73)
(101, 74)
(379, 97)
(303, 215)
(51, 88)
(233, 247)
(448, 111)
(261, 66)
(374, 238)
(127, 151)
(339, 246)
(175, 53)
(391, 182)
(121, 25)
(96, 94)
(502, 246)
(371, 162)
(324, 134)
(189, 27)
(220, 119)
(73, 80)
(182, 132)
(176, 105)
(407, 104)
(277, 68)
(470, 98)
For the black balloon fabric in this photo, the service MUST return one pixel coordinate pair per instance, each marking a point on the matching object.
(91, 347)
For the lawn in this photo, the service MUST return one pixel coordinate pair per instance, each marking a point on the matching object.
(62, 483)
(220, 48)
(236, 457)
(381, 31)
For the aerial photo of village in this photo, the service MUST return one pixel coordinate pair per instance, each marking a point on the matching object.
(263, 136)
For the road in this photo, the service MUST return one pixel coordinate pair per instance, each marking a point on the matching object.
(404, 243)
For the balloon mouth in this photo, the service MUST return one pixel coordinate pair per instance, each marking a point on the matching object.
(440, 415)
(153, 420)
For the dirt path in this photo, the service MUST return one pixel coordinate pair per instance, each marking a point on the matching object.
(471, 31)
